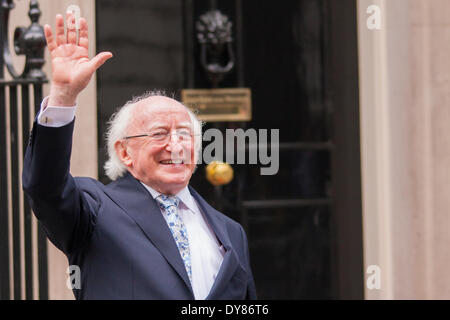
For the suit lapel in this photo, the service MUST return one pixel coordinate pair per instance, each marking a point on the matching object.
(230, 261)
(135, 200)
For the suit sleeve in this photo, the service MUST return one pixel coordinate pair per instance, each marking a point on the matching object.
(67, 214)
(251, 288)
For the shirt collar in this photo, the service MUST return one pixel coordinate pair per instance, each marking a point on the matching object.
(184, 195)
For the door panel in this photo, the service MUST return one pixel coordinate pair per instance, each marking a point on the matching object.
(290, 252)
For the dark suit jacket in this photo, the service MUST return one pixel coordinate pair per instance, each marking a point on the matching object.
(116, 233)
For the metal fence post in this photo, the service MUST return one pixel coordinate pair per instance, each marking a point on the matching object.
(28, 41)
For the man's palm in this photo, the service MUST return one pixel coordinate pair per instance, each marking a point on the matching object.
(71, 67)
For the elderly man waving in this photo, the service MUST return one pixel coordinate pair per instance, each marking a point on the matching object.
(148, 234)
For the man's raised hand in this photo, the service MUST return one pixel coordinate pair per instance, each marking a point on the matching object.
(71, 67)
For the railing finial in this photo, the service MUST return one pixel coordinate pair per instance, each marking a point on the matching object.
(35, 12)
(27, 41)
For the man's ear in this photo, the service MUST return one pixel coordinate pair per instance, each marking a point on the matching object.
(122, 153)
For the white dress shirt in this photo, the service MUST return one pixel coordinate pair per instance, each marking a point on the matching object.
(206, 251)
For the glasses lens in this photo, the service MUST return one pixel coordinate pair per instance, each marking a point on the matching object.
(164, 136)
(159, 135)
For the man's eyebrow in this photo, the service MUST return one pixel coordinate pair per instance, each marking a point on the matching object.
(184, 125)
(157, 125)
(162, 125)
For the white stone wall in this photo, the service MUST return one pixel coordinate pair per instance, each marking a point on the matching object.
(405, 112)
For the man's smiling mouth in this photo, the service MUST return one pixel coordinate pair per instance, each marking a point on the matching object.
(180, 161)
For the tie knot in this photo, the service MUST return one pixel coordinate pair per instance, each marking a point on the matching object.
(165, 202)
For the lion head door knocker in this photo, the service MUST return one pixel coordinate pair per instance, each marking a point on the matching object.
(214, 35)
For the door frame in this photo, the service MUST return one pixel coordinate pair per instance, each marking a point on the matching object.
(342, 83)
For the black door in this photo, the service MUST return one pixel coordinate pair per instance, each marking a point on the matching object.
(303, 220)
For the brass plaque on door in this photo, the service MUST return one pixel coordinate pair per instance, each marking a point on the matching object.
(216, 105)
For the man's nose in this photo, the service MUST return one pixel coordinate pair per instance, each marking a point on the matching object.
(174, 143)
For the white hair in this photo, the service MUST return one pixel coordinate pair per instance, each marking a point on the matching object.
(117, 129)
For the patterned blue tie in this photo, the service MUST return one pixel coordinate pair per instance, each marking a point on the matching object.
(169, 205)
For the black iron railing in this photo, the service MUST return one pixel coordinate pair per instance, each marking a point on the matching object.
(20, 98)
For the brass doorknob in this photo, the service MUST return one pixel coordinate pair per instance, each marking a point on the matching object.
(219, 173)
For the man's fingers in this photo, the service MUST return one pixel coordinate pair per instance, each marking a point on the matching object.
(83, 39)
(60, 36)
(71, 29)
(100, 59)
(51, 44)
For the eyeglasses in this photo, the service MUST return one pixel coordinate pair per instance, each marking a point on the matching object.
(163, 136)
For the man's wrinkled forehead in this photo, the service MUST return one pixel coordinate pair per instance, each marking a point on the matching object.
(156, 110)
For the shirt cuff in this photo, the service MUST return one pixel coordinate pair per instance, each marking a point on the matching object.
(54, 116)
